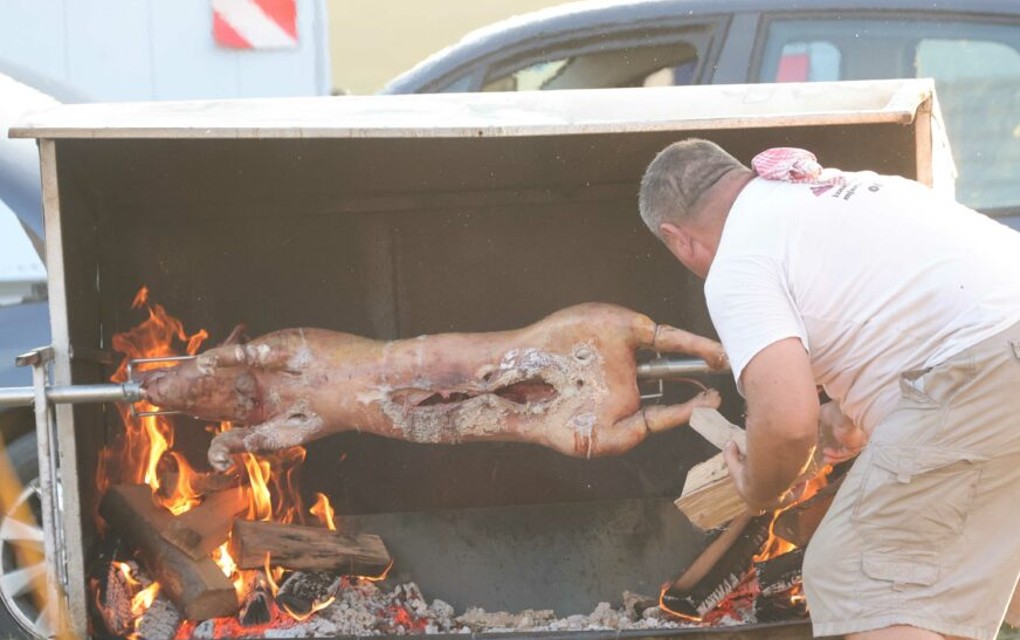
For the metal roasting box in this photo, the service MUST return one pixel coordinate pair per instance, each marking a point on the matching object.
(395, 216)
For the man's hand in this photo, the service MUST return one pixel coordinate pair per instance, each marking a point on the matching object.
(736, 462)
(840, 438)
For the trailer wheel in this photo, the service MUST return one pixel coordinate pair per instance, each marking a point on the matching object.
(21, 615)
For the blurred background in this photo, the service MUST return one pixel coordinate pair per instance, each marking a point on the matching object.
(68, 51)
(111, 50)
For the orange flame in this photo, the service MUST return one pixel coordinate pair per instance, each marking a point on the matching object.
(146, 455)
(148, 438)
(142, 600)
(323, 511)
(776, 546)
(261, 500)
(142, 597)
(316, 606)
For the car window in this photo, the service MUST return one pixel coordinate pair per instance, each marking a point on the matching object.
(631, 59)
(665, 65)
(22, 275)
(976, 67)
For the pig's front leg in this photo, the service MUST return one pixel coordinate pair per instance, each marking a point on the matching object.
(296, 426)
(628, 432)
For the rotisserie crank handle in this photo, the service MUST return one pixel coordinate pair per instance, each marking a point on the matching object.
(664, 368)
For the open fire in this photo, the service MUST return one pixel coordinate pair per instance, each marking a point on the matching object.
(252, 526)
(264, 489)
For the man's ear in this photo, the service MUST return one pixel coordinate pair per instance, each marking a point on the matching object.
(678, 240)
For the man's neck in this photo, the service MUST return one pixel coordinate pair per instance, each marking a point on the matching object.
(715, 206)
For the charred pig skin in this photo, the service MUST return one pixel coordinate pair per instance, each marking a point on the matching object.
(566, 382)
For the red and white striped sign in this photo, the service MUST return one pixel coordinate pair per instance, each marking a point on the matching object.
(255, 24)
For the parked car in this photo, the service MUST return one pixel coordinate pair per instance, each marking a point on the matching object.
(24, 324)
(971, 49)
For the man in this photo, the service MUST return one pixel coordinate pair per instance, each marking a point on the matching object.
(905, 307)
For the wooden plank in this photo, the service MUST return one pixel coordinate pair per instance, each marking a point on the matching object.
(442, 115)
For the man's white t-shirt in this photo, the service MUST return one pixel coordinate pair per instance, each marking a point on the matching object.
(877, 277)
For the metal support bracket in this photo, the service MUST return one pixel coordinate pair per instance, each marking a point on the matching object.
(49, 487)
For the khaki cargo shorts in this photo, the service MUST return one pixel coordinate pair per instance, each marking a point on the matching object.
(925, 530)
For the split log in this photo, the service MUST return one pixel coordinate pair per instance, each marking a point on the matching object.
(715, 428)
(204, 528)
(256, 609)
(779, 574)
(720, 568)
(197, 587)
(307, 548)
(709, 498)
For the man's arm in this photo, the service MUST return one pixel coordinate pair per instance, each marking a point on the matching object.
(782, 423)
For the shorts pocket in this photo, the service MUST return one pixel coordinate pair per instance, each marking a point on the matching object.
(900, 572)
(915, 499)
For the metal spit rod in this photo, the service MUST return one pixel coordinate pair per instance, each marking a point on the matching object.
(662, 368)
(72, 394)
(665, 368)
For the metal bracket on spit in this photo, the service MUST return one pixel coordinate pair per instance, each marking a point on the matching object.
(663, 368)
(135, 413)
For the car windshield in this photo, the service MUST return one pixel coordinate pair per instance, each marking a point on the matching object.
(976, 67)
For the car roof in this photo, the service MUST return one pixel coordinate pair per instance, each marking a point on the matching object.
(586, 14)
(20, 186)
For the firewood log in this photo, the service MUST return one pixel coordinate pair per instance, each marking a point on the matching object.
(197, 587)
(198, 531)
(567, 382)
(709, 498)
(307, 549)
(720, 568)
(779, 574)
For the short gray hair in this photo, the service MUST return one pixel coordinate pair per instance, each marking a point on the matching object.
(677, 177)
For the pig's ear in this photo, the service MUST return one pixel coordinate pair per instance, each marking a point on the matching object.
(237, 336)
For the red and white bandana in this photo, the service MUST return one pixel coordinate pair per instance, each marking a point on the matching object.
(790, 164)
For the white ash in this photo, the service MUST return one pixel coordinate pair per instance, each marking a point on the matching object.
(365, 608)
(160, 621)
(362, 608)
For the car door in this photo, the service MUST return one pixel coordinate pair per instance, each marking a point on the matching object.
(974, 60)
(653, 53)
